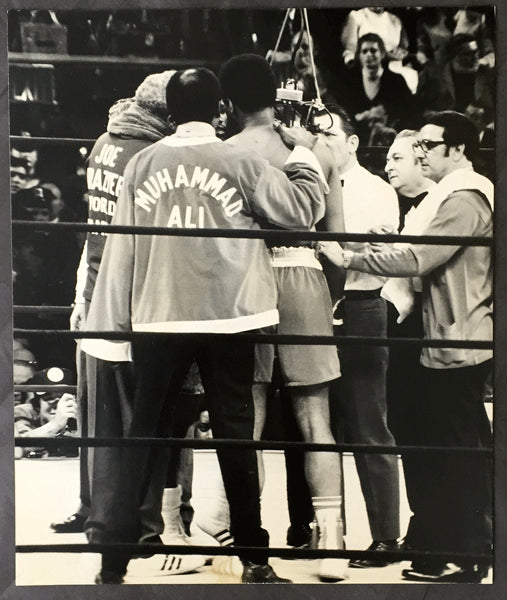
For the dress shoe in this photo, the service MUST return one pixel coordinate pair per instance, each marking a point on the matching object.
(445, 573)
(299, 537)
(73, 524)
(378, 546)
(105, 577)
(253, 573)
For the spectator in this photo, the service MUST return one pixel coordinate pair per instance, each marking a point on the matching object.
(24, 368)
(19, 175)
(433, 36)
(48, 414)
(472, 21)
(370, 84)
(452, 505)
(459, 81)
(482, 115)
(373, 20)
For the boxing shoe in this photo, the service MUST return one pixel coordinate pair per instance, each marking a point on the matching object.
(166, 564)
(330, 537)
(230, 566)
(254, 573)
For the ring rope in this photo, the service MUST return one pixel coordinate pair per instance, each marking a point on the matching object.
(260, 338)
(137, 549)
(213, 444)
(266, 234)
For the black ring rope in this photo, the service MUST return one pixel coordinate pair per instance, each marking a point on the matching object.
(23, 309)
(213, 444)
(71, 389)
(266, 234)
(138, 549)
(30, 140)
(260, 338)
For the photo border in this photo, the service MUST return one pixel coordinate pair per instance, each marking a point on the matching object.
(9, 590)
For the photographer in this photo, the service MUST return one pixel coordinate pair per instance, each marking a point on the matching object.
(47, 414)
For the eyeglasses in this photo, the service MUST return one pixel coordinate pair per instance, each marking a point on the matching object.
(427, 145)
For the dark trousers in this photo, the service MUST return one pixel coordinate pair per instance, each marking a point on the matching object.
(82, 421)
(359, 414)
(452, 504)
(105, 410)
(226, 370)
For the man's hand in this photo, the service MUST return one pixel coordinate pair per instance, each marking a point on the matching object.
(381, 246)
(333, 251)
(77, 318)
(295, 136)
(66, 409)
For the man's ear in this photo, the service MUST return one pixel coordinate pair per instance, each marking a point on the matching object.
(353, 142)
(225, 106)
(457, 152)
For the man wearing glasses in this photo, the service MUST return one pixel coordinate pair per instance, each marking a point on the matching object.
(452, 506)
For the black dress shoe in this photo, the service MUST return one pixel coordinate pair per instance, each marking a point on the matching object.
(378, 546)
(105, 577)
(447, 573)
(299, 536)
(74, 524)
(253, 573)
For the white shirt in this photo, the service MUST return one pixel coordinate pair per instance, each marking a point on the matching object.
(359, 22)
(368, 202)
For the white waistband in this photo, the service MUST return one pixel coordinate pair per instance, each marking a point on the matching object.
(294, 256)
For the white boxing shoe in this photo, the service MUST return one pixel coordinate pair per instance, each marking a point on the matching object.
(166, 564)
(333, 569)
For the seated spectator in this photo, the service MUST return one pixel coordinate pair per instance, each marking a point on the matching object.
(48, 414)
(53, 195)
(19, 174)
(472, 21)
(459, 81)
(30, 157)
(433, 36)
(370, 84)
(482, 115)
(24, 367)
(390, 28)
(374, 20)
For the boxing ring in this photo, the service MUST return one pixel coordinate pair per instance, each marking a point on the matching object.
(205, 444)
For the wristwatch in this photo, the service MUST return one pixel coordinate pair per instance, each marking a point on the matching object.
(347, 258)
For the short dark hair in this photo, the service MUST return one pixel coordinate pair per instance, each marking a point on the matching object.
(458, 129)
(370, 37)
(347, 123)
(249, 82)
(18, 161)
(193, 95)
